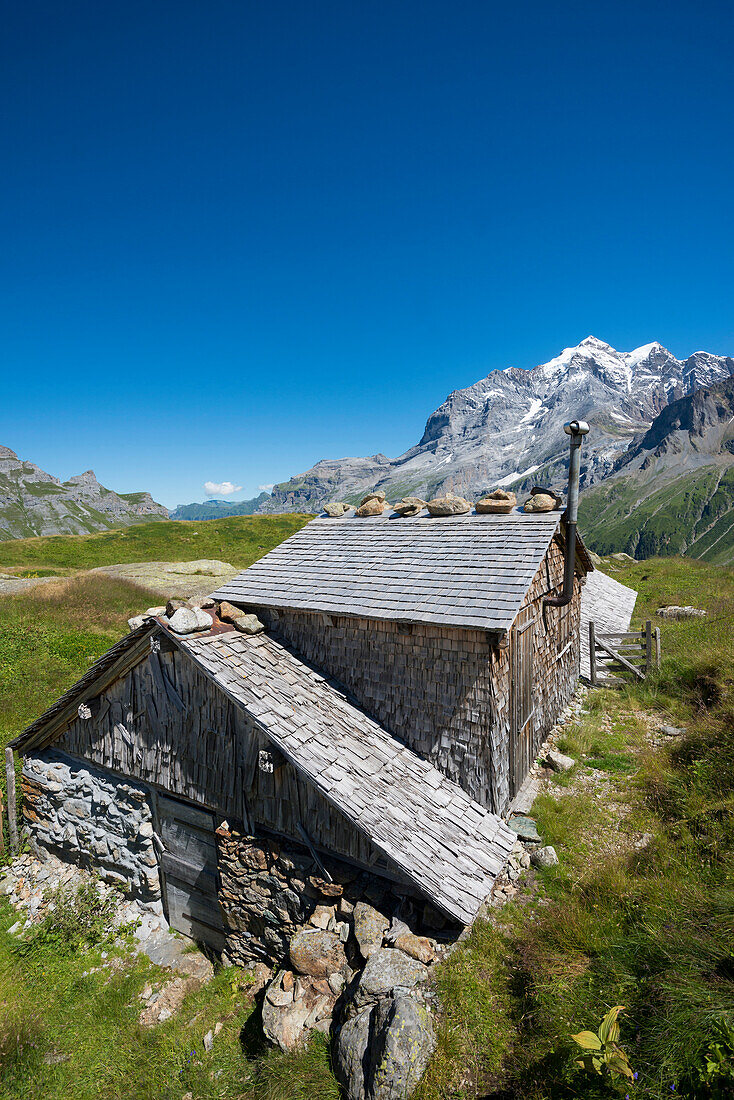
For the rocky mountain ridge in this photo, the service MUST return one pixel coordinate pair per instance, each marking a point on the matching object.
(507, 429)
(220, 509)
(672, 490)
(33, 502)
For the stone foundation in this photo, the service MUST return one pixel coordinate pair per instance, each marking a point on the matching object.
(92, 818)
(269, 890)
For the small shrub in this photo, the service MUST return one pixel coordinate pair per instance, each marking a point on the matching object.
(74, 918)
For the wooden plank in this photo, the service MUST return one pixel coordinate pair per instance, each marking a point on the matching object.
(69, 712)
(635, 635)
(622, 660)
(204, 878)
(184, 811)
(657, 647)
(648, 645)
(12, 808)
(182, 841)
(163, 684)
(592, 655)
(188, 902)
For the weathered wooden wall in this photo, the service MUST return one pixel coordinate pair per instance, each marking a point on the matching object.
(556, 645)
(434, 687)
(207, 753)
(446, 692)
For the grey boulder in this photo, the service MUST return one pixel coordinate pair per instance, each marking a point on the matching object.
(317, 953)
(184, 621)
(336, 509)
(449, 505)
(228, 613)
(540, 502)
(382, 1052)
(203, 619)
(558, 761)
(544, 857)
(369, 928)
(409, 506)
(248, 624)
(371, 507)
(675, 612)
(403, 1046)
(351, 1054)
(388, 969)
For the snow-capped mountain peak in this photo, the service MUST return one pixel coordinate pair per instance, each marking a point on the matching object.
(507, 429)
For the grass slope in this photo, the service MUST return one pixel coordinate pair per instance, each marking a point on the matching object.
(239, 540)
(692, 515)
(648, 929)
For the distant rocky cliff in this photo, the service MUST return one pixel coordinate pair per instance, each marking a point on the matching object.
(219, 509)
(672, 491)
(33, 502)
(507, 429)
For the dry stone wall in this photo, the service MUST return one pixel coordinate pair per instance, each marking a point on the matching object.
(90, 817)
(269, 890)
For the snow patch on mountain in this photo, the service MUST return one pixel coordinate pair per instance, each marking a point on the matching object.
(508, 427)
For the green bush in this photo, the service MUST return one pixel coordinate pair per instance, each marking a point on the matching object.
(74, 919)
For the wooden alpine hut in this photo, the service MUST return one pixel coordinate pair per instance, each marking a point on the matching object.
(359, 706)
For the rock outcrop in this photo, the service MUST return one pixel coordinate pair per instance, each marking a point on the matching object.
(506, 431)
(33, 502)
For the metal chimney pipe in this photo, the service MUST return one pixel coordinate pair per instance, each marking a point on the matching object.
(576, 429)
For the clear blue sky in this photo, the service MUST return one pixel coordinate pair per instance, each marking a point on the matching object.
(237, 237)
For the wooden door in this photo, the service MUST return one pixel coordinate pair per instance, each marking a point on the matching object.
(523, 703)
(189, 866)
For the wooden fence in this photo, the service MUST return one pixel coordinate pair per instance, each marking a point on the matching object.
(635, 651)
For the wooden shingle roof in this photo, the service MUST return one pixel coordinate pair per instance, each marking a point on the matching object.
(463, 571)
(115, 662)
(450, 847)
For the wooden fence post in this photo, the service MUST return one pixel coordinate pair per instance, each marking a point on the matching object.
(648, 647)
(592, 654)
(2, 827)
(657, 647)
(12, 818)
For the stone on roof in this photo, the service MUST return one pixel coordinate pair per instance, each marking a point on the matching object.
(462, 571)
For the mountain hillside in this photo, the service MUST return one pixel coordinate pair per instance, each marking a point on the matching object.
(219, 509)
(33, 502)
(672, 491)
(507, 429)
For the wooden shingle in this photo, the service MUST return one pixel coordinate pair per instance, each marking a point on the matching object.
(457, 571)
(444, 842)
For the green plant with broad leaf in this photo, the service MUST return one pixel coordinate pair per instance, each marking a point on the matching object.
(601, 1048)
